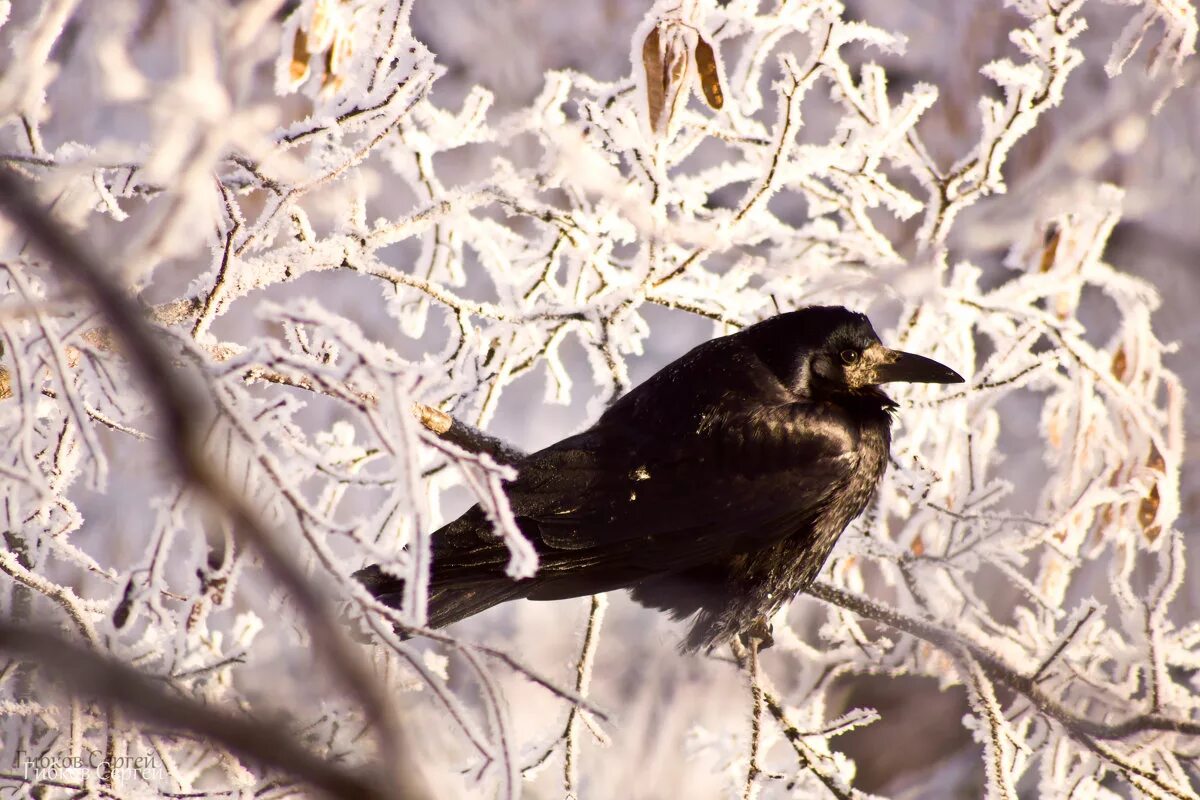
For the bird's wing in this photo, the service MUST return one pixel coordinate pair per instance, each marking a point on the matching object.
(732, 478)
(621, 504)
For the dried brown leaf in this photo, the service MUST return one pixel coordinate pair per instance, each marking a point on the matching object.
(675, 59)
(1049, 248)
(665, 55)
(1155, 461)
(1120, 363)
(340, 52)
(655, 87)
(331, 81)
(298, 69)
(1147, 511)
(706, 69)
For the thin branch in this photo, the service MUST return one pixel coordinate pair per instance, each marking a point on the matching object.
(793, 734)
(583, 679)
(468, 437)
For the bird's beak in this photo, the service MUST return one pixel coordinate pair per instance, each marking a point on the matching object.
(895, 365)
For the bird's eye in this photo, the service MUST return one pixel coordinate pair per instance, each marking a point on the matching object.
(850, 356)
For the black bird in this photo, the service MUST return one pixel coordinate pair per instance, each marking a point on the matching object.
(716, 489)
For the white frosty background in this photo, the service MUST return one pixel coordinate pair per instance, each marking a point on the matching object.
(343, 208)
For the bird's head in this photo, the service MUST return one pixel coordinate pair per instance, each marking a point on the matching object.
(832, 350)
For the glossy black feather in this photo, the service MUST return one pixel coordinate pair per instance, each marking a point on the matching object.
(716, 488)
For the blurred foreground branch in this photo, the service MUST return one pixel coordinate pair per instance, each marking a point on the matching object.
(92, 675)
(177, 401)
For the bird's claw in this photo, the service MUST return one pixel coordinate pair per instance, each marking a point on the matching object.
(758, 635)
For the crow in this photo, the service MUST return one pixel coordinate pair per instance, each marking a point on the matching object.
(714, 490)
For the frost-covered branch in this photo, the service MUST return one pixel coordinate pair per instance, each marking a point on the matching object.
(995, 669)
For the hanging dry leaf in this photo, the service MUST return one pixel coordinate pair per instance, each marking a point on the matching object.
(324, 22)
(706, 68)
(1155, 461)
(340, 52)
(328, 34)
(298, 69)
(665, 55)
(335, 58)
(675, 61)
(1119, 363)
(1049, 248)
(652, 62)
(1147, 511)
(330, 81)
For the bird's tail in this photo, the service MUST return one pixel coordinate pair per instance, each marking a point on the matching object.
(447, 602)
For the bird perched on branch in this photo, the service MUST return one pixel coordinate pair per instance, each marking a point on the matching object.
(715, 490)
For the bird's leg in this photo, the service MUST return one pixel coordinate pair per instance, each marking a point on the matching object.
(745, 651)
